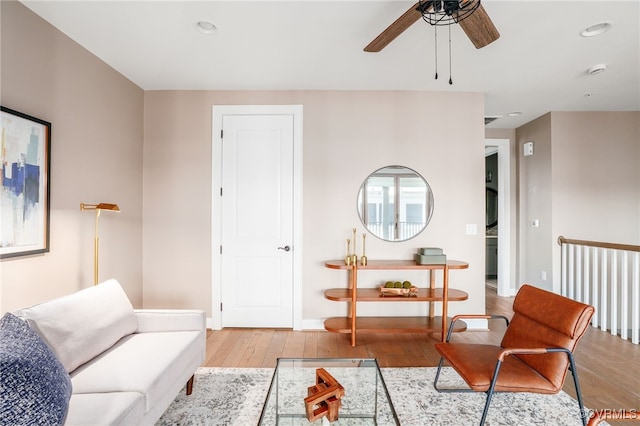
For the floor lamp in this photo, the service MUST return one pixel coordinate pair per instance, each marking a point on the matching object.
(98, 208)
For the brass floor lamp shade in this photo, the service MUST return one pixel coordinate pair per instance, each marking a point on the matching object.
(98, 208)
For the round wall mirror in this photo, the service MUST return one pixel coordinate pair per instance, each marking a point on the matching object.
(395, 203)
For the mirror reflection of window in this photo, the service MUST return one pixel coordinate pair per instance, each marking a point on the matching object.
(413, 210)
(380, 199)
(398, 203)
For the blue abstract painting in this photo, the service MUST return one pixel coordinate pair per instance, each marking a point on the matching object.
(24, 176)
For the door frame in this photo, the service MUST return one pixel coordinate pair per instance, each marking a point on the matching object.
(218, 112)
(505, 256)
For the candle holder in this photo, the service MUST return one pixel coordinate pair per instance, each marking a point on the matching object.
(363, 259)
(354, 256)
(347, 259)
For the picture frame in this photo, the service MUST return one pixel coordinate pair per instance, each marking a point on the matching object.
(25, 170)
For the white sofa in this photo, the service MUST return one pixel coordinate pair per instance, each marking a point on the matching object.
(126, 366)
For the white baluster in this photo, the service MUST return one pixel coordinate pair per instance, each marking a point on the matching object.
(596, 285)
(578, 281)
(624, 297)
(571, 283)
(563, 278)
(613, 292)
(586, 281)
(635, 304)
(604, 300)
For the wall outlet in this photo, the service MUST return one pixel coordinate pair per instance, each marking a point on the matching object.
(472, 229)
(543, 275)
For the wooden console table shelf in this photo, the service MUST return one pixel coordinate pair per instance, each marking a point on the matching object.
(353, 295)
(373, 295)
(395, 264)
(390, 325)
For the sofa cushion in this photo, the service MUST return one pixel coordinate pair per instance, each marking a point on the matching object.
(34, 387)
(109, 408)
(84, 324)
(148, 363)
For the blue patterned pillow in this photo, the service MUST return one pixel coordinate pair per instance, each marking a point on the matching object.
(34, 386)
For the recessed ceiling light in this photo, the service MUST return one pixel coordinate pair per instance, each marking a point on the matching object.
(597, 69)
(205, 27)
(514, 114)
(596, 29)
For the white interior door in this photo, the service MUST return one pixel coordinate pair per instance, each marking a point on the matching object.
(257, 221)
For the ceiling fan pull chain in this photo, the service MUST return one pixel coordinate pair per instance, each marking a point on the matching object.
(435, 38)
(450, 79)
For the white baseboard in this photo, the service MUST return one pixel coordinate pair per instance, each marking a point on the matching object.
(313, 324)
(209, 324)
(318, 324)
(306, 325)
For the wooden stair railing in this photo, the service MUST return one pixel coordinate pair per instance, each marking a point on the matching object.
(606, 276)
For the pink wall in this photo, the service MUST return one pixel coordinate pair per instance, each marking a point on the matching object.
(534, 183)
(583, 182)
(96, 145)
(347, 135)
(596, 178)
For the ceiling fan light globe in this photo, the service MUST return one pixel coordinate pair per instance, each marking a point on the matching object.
(596, 29)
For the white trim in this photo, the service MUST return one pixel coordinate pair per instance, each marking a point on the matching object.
(218, 111)
(505, 256)
(296, 110)
(477, 324)
(313, 324)
(216, 220)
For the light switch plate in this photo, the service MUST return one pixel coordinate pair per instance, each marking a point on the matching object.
(472, 229)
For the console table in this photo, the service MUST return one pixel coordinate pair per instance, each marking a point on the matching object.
(432, 295)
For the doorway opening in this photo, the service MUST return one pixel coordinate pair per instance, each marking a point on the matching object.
(500, 234)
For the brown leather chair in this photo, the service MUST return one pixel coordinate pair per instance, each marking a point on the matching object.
(535, 353)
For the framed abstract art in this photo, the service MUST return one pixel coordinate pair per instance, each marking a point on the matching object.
(25, 159)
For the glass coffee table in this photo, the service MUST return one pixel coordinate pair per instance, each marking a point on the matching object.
(365, 401)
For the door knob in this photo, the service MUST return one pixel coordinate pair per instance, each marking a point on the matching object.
(285, 248)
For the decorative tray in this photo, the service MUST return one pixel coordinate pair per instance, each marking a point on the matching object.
(406, 292)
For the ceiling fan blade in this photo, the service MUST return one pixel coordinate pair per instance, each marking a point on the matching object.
(479, 28)
(394, 30)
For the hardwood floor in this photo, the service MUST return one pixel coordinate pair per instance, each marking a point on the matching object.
(608, 367)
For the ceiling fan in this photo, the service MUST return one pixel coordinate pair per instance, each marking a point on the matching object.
(469, 14)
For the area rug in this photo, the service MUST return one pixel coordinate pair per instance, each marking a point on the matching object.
(235, 396)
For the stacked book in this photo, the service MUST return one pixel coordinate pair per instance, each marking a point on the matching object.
(430, 256)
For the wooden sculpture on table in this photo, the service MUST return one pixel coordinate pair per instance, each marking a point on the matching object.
(324, 397)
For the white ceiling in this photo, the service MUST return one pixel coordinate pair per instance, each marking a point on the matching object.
(539, 63)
